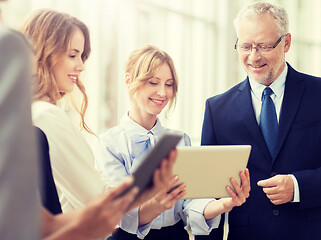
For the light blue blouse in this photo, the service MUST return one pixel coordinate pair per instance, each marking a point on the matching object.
(125, 146)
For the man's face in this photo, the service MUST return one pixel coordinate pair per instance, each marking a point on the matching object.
(264, 67)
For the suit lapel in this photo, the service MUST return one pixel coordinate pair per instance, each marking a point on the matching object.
(293, 92)
(244, 103)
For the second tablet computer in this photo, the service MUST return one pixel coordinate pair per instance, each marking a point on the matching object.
(143, 175)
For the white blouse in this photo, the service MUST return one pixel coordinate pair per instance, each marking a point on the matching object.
(72, 160)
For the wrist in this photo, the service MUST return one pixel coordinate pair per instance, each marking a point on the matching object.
(148, 211)
(69, 230)
(213, 209)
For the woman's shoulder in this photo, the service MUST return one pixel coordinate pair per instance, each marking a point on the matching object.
(48, 116)
(112, 135)
(174, 131)
(186, 140)
(43, 109)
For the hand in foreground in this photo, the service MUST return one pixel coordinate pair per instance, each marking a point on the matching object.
(163, 201)
(236, 198)
(96, 220)
(102, 214)
(279, 189)
(162, 178)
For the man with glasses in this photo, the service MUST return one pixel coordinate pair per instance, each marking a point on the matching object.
(277, 111)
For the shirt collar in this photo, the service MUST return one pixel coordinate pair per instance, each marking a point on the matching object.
(277, 86)
(132, 127)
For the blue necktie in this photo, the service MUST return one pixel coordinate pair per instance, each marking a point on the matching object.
(268, 121)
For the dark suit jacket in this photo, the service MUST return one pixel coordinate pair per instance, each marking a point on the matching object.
(230, 119)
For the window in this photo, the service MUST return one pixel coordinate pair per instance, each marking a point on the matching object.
(198, 34)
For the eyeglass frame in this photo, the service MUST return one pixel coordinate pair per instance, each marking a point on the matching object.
(258, 47)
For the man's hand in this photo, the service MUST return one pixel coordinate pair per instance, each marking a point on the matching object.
(279, 189)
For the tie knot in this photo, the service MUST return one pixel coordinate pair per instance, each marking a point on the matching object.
(267, 92)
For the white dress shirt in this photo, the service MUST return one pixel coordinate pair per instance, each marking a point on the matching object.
(277, 87)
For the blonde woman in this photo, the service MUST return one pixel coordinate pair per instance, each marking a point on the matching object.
(152, 85)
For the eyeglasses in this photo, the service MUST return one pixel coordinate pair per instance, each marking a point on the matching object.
(260, 48)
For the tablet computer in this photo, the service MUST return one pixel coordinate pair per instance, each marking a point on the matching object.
(206, 170)
(143, 174)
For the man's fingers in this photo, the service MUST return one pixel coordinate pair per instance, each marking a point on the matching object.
(270, 190)
(279, 189)
(277, 200)
(277, 197)
(270, 182)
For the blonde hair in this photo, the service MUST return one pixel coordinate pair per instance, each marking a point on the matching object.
(50, 32)
(143, 64)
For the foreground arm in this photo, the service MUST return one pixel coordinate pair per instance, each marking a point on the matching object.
(18, 165)
(100, 216)
(97, 219)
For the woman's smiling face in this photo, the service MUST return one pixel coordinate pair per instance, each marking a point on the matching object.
(70, 65)
(153, 96)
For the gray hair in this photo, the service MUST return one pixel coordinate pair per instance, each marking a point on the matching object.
(260, 8)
